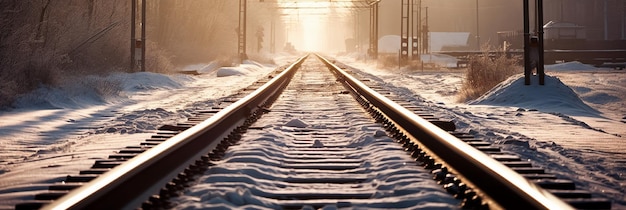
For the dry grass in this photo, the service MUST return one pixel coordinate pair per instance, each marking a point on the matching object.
(485, 72)
(262, 58)
(387, 61)
(43, 42)
(41, 47)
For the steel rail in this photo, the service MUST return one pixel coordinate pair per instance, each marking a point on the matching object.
(506, 188)
(131, 183)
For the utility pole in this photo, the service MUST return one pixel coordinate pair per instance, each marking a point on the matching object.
(409, 30)
(425, 30)
(540, 68)
(143, 35)
(477, 28)
(527, 62)
(133, 41)
(606, 20)
(373, 49)
(415, 16)
(533, 46)
(405, 30)
(138, 57)
(273, 34)
(241, 30)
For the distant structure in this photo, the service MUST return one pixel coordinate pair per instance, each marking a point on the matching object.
(601, 19)
(563, 30)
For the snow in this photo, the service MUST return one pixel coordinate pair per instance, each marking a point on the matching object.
(203, 68)
(53, 131)
(569, 66)
(297, 123)
(298, 154)
(573, 126)
(440, 59)
(554, 96)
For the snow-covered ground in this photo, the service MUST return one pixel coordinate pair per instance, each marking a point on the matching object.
(574, 125)
(52, 133)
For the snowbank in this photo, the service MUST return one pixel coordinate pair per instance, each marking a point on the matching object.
(97, 90)
(203, 68)
(440, 59)
(245, 68)
(149, 80)
(570, 66)
(554, 96)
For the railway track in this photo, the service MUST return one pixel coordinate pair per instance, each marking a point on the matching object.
(313, 146)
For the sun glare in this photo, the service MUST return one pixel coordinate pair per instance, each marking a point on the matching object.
(313, 34)
(309, 25)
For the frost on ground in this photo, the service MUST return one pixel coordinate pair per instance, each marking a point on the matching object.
(53, 131)
(61, 130)
(573, 126)
(316, 148)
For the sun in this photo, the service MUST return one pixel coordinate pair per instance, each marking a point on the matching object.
(313, 35)
(308, 23)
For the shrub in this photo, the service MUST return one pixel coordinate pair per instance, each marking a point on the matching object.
(158, 60)
(387, 61)
(26, 76)
(262, 58)
(485, 72)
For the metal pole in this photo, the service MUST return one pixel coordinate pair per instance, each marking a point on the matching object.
(143, 35)
(273, 35)
(426, 42)
(606, 21)
(404, 31)
(414, 31)
(241, 48)
(373, 49)
(477, 28)
(133, 41)
(376, 30)
(356, 29)
(420, 45)
(527, 68)
(561, 11)
(540, 69)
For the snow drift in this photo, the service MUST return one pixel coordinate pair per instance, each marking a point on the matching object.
(96, 90)
(554, 96)
(570, 66)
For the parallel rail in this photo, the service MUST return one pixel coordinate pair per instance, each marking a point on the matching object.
(151, 170)
(134, 181)
(504, 187)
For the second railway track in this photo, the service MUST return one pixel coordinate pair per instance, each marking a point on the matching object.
(316, 147)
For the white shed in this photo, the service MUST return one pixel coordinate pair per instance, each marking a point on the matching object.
(563, 30)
